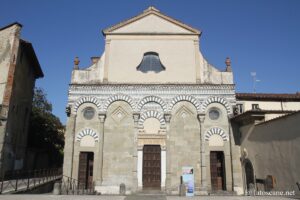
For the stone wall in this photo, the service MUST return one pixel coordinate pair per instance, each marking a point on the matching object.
(118, 150)
(183, 145)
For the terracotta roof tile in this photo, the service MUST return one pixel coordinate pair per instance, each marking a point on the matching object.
(268, 96)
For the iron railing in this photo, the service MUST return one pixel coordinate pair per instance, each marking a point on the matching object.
(19, 180)
(71, 186)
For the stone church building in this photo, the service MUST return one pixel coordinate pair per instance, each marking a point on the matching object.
(150, 105)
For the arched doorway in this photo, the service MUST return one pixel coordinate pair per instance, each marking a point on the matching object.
(249, 173)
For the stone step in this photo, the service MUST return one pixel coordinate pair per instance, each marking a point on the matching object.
(222, 193)
(150, 192)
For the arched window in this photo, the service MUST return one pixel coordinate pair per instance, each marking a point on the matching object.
(151, 62)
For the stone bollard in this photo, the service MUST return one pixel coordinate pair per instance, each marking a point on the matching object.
(122, 189)
(57, 188)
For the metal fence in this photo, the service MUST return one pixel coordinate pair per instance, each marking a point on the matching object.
(20, 180)
(71, 186)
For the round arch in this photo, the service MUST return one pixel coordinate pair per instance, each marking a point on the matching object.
(216, 99)
(217, 131)
(188, 98)
(154, 99)
(87, 99)
(118, 97)
(153, 114)
(86, 132)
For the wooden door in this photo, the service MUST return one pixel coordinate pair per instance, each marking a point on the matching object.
(90, 171)
(217, 170)
(85, 171)
(151, 166)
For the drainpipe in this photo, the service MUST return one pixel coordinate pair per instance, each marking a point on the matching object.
(230, 143)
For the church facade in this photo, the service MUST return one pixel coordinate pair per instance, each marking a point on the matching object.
(149, 106)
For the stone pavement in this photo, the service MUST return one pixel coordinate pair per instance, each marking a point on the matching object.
(138, 197)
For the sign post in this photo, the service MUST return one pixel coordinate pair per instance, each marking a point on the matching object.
(188, 180)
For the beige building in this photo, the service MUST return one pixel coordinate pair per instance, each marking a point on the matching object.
(150, 105)
(19, 68)
(267, 129)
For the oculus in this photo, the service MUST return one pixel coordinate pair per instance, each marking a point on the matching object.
(88, 113)
(214, 114)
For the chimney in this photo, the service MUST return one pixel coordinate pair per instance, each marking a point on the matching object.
(228, 65)
(76, 63)
(94, 59)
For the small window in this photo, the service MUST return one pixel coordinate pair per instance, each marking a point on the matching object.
(151, 62)
(239, 108)
(255, 107)
(89, 113)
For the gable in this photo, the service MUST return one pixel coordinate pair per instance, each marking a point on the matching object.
(152, 24)
(151, 21)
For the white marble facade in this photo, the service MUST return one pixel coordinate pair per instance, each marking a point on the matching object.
(184, 109)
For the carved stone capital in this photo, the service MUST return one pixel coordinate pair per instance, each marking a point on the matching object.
(201, 117)
(68, 110)
(102, 117)
(167, 117)
(136, 117)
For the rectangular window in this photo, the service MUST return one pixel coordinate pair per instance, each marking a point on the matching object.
(239, 108)
(255, 107)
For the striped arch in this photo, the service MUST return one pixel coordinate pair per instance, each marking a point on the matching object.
(152, 114)
(155, 99)
(188, 98)
(86, 132)
(87, 99)
(217, 131)
(118, 97)
(215, 99)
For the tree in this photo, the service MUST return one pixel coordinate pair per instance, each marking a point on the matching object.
(46, 132)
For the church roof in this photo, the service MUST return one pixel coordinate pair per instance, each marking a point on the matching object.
(268, 96)
(151, 11)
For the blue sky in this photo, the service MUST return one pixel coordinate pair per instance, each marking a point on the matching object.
(258, 35)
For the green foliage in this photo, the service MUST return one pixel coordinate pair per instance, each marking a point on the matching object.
(46, 132)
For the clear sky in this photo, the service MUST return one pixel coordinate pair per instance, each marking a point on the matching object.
(258, 35)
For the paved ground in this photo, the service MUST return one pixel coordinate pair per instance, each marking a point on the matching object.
(87, 197)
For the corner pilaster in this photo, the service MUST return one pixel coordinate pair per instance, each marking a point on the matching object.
(137, 156)
(167, 117)
(69, 144)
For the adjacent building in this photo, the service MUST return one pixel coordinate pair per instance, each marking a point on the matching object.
(19, 68)
(266, 127)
